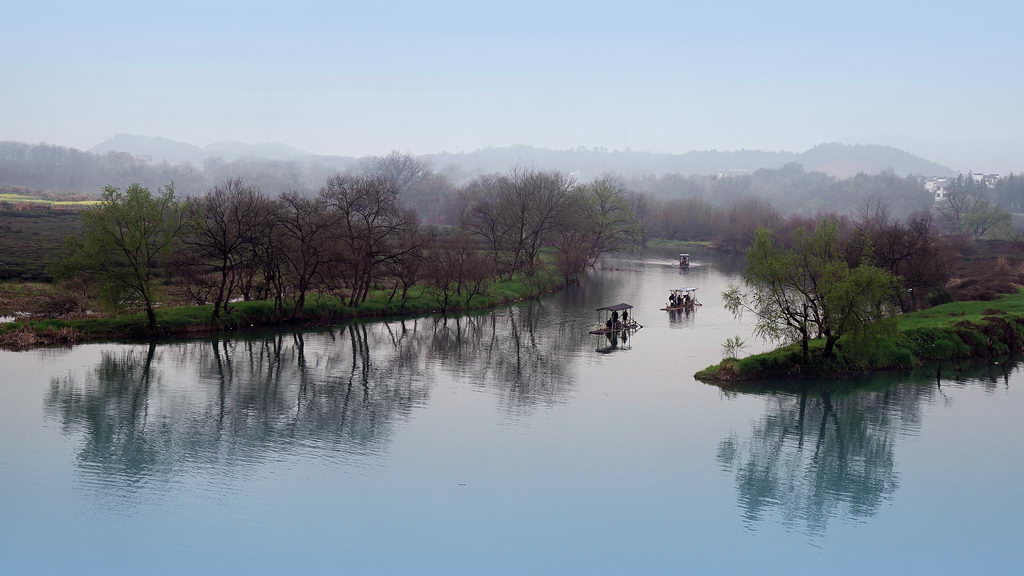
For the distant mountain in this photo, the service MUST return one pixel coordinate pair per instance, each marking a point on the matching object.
(841, 160)
(151, 148)
(231, 150)
(845, 160)
(158, 149)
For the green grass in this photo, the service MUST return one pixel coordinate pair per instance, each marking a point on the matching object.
(23, 199)
(667, 244)
(318, 309)
(957, 330)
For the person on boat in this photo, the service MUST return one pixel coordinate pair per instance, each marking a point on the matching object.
(686, 300)
(625, 318)
(615, 319)
(608, 324)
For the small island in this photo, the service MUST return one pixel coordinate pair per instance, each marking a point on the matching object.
(843, 298)
(953, 331)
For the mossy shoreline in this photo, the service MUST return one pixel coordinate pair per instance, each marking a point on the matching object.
(954, 331)
(319, 310)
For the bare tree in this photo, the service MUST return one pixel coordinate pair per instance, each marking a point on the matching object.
(968, 209)
(190, 273)
(269, 245)
(595, 220)
(611, 222)
(407, 268)
(477, 274)
(222, 224)
(871, 215)
(305, 226)
(643, 213)
(402, 169)
(367, 222)
(442, 274)
(485, 218)
(527, 204)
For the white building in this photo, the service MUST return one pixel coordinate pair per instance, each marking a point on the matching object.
(986, 179)
(939, 187)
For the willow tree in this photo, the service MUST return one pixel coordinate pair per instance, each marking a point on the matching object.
(596, 219)
(809, 291)
(124, 241)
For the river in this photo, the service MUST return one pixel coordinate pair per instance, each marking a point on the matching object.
(506, 442)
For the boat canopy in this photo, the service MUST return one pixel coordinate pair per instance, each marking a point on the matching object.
(681, 290)
(616, 307)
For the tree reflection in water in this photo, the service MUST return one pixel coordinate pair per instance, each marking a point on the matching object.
(816, 455)
(507, 352)
(146, 411)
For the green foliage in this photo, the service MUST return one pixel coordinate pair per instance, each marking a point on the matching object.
(989, 220)
(680, 245)
(951, 331)
(810, 292)
(123, 243)
(733, 346)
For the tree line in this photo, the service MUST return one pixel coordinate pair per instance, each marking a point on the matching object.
(977, 210)
(844, 277)
(353, 236)
(438, 194)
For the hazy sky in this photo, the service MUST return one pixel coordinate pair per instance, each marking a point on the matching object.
(944, 80)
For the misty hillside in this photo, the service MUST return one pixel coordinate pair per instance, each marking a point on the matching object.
(436, 194)
(840, 160)
(158, 149)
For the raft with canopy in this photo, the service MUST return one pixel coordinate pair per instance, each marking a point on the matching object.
(610, 318)
(684, 303)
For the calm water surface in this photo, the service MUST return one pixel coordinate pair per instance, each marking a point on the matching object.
(511, 442)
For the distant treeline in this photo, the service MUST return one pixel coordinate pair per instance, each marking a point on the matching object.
(435, 192)
(60, 169)
(723, 209)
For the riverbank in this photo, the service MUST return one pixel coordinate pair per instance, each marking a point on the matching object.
(319, 309)
(679, 245)
(958, 330)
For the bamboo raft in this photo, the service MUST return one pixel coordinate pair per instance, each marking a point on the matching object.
(691, 302)
(681, 308)
(628, 326)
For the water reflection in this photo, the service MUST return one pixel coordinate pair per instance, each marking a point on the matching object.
(147, 411)
(682, 318)
(819, 454)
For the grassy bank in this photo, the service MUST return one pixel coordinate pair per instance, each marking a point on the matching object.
(679, 245)
(973, 329)
(319, 309)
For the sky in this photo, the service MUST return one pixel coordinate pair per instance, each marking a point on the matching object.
(943, 80)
